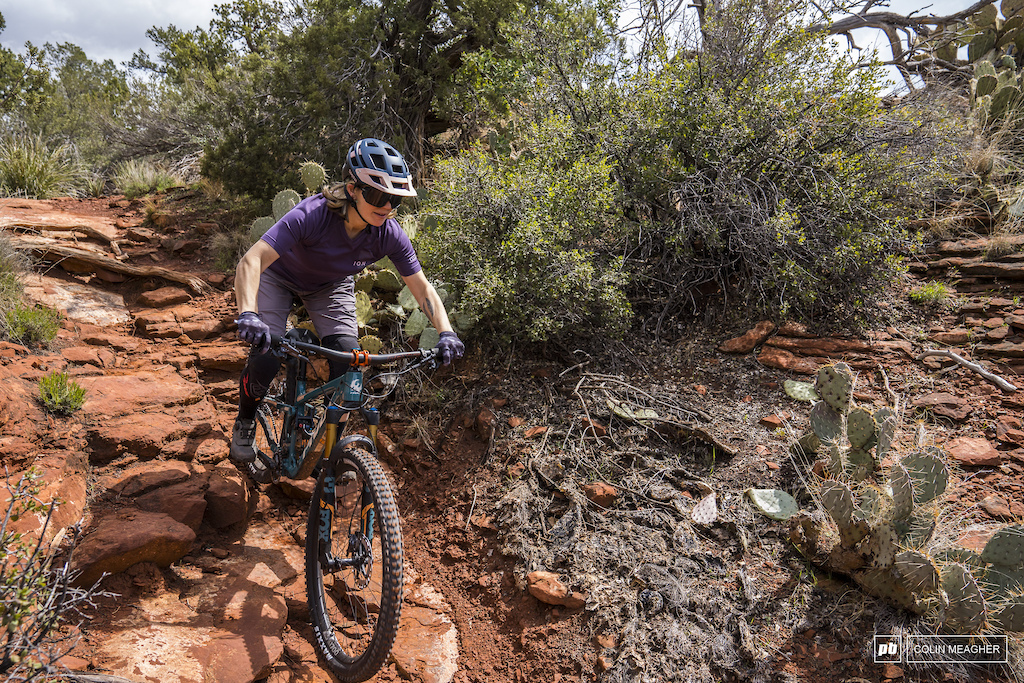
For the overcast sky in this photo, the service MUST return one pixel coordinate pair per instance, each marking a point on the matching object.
(116, 29)
(105, 29)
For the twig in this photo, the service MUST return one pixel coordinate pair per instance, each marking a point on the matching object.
(892, 394)
(471, 508)
(995, 379)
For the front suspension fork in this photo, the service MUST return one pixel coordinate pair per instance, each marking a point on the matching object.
(328, 501)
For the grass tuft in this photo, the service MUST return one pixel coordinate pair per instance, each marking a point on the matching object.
(31, 168)
(60, 395)
(139, 177)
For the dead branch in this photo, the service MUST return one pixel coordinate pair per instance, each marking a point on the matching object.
(89, 231)
(53, 252)
(995, 379)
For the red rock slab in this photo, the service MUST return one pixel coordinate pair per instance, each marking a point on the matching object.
(114, 395)
(944, 405)
(819, 346)
(164, 297)
(786, 360)
(426, 648)
(128, 537)
(146, 477)
(974, 452)
(749, 340)
(224, 628)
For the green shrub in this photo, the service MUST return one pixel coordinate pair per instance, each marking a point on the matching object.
(33, 325)
(138, 177)
(35, 595)
(59, 394)
(228, 247)
(31, 168)
(514, 239)
(929, 294)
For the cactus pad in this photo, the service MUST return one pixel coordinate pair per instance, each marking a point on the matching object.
(861, 429)
(283, 203)
(860, 464)
(407, 300)
(834, 384)
(902, 492)
(1010, 617)
(966, 603)
(928, 474)
(416, 323)
(388, 280)
(837, 500)
(1001, 581)
(260, 226)
(835, 459)
(826, 423)
(916, 531)
(364, 309)
(881, 545)
(371, 343)
(918, 571)
(313, 176)
(364, 281)
(886, 583)
(885, 419)
(429, 338)
(1006, 547)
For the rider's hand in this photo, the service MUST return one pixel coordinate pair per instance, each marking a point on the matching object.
(451, 347)
(253, 330)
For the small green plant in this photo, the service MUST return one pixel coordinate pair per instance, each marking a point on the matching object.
(59, 394)
(138, 177)
(95, 185)
(35, 591)
(31, 168)
(929, 294)
(32, 325)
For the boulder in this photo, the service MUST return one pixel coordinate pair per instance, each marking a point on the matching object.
(115, 395)
(184, 502)
(228, 499)
(128, 537)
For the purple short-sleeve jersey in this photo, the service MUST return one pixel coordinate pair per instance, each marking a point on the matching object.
(315, 250)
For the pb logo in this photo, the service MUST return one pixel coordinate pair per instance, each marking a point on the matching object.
(887, 649)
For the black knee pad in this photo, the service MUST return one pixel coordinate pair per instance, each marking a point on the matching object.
(340, 342)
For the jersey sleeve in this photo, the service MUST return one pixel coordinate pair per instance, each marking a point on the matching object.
(399, 250)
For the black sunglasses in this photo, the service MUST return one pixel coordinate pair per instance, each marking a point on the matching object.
(379, 198)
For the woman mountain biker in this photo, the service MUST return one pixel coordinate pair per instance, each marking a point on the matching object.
(313, 252)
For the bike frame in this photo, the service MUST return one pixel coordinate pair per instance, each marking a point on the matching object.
(300, 416)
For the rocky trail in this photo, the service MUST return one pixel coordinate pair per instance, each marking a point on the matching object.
(208, 570)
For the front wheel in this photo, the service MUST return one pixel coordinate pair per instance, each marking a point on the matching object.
(354, 565)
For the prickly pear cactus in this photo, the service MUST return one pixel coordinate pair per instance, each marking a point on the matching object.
(284, 201)
(313, 176)
(834, 384)
(260, 226)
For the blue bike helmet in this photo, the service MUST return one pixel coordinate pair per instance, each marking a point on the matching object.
(377, 164)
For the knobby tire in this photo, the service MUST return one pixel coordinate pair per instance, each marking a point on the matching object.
(355, 615)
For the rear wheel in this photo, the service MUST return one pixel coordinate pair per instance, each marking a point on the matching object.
(354, 565)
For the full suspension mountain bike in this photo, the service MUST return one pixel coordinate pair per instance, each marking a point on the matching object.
(353, 534)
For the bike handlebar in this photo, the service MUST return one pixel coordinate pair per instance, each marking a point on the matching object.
(356, 357)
